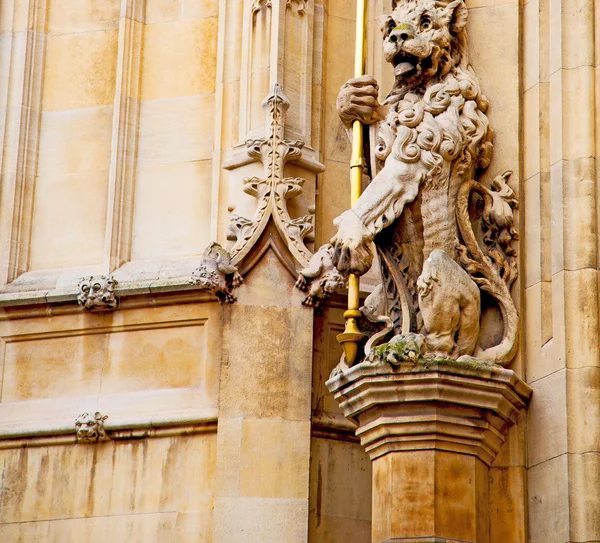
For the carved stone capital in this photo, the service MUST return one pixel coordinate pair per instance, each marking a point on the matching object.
(457, 406)
(90, 428)
(97, 293)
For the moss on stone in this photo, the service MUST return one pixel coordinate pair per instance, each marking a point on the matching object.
(410, 348)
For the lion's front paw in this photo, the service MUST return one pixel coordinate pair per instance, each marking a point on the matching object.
(352, 259)
(236, 280)
(351, 251)
(301, 283)
(357, 101)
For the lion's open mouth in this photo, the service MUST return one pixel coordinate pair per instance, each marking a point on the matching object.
(405, 64)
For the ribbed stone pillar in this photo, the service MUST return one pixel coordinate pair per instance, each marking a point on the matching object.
(431, 428)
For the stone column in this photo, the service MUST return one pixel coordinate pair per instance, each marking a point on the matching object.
(264, 435)
(263, 454)
(432, 429)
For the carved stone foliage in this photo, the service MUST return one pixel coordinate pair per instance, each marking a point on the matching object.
(443, 236)
(90, 428)
(272, 190)
(216, 274)
(97, 293)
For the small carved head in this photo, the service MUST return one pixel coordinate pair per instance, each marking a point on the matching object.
(208, 280)
(421, 38)
(333, 282)
(97, 292)
(90, 428)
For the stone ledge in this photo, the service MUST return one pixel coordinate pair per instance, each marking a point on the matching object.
(136, 283)
(463, 407)
(138, 414)
(131, 295)
(53, 433)
(336, 428)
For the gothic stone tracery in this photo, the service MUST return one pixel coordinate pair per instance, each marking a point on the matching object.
(272, 191)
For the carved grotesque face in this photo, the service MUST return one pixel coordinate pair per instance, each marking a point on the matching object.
(93, 289)
(418, 38)
(97, 292)
(334, 281)
(88, 427)
(207, 279)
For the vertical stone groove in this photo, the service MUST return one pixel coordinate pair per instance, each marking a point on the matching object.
(21, 140)
(126, 114)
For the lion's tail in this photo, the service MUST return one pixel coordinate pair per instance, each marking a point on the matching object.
(486, 274)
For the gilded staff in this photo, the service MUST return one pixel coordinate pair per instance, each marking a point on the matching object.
(352, 336)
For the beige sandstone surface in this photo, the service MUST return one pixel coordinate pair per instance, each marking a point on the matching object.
(123, 129)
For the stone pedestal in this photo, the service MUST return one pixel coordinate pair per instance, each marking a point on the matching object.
(431, 428)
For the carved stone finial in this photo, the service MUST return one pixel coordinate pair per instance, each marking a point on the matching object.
(90, 428)
(97, 293)
(216, 274)
(272, 190)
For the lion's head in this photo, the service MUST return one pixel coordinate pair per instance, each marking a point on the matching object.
(423, 39)
(90, 428)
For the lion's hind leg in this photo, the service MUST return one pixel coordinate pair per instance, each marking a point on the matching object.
(450, 306)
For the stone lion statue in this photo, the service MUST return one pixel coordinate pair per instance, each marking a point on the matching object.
(442, 236)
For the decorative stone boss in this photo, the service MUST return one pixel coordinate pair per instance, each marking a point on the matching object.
(429, 393)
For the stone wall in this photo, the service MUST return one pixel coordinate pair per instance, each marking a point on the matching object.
(123, 130)
(560, 116)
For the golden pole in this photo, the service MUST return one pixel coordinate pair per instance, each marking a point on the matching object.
(352, 336)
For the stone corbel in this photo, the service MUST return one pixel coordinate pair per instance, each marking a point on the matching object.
(97, 293)
(216, 274)
(90, 428)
